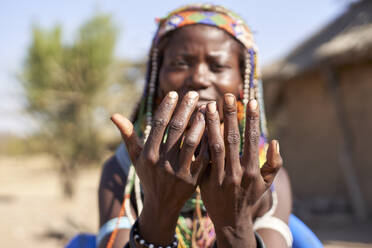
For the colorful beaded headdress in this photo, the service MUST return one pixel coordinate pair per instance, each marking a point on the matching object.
(207, 15)
(228, 21)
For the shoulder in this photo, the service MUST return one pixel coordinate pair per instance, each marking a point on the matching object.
(110, 193)
(115, 169)
(110, 190)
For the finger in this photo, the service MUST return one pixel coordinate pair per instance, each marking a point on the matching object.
(215, 141)
(180, 119)
(273, 163)
(191, 142)
(159, 124)
(231, 135)
(250, 159)
(132, 142)
(202, 161)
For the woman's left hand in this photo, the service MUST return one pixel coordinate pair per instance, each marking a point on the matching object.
(231, 186)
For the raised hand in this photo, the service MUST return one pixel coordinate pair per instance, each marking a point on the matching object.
(167, 171)
(231, 186)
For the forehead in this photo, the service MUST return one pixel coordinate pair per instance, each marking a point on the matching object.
(201, 38)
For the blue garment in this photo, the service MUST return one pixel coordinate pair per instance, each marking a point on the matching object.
(83, 240)
(303, 237)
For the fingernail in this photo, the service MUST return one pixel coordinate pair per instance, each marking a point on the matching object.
(212, 107)
(277, 147)
(253, 104)
(172, 94)
(192, 94)
(202, 108)
(229, 99)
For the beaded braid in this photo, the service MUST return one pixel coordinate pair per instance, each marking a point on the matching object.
(151, 91)
(252, 89)
(149, 108)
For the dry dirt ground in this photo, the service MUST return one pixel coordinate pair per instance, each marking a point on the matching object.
(33, 213)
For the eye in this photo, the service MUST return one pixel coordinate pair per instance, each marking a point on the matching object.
(179, 63)
(218, 67)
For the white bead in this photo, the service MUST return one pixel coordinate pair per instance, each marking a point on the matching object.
(151, 246)
(142, 241)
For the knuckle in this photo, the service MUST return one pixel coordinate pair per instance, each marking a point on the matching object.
(251, 174)
(185, 177)
(191, 141)
(253, 115)
(158, 123)
(151, 157)
(189, 102)
(236, 177)
(217, 148)
(168, 105)
(253, 118)
(233, 137)
(176, 124)
(229, 110)
(212, 119)
(235, 180)
(277, 162)
(254, 136)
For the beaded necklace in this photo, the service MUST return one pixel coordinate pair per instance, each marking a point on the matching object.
(199, 233)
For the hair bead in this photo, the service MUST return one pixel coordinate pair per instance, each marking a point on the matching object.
(151, 91)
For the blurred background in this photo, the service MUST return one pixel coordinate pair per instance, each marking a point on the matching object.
(66, 66)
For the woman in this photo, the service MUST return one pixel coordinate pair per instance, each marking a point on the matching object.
(202, 120)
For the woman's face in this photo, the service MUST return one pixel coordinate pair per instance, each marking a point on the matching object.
(204, 59)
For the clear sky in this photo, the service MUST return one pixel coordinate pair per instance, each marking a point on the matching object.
(278, 26)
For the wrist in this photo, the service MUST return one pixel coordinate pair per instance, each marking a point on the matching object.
(239, 235)
(136, 240)
(157, 225)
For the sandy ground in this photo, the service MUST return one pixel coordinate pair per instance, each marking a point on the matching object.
(33, 213)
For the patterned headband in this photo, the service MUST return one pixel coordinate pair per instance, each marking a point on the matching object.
(208, 15)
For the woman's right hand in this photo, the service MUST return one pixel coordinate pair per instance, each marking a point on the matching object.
(168, 175)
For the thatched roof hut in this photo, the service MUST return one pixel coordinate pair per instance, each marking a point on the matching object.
(345, 40)
(319, 104)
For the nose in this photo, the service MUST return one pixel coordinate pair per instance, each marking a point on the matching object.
(200, 77)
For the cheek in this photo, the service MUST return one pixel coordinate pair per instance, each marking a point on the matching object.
(169, 81)
(229, 83)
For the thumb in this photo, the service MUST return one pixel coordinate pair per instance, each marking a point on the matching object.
(273, 163)
(132, 142)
